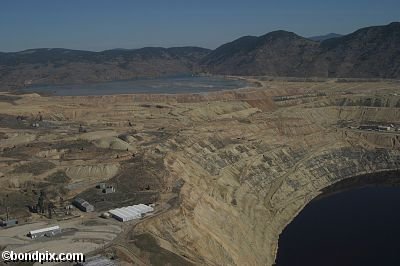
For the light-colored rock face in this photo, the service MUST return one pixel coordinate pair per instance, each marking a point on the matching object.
(51, 154)
(92, 172)
(113, 143)
(246, 180)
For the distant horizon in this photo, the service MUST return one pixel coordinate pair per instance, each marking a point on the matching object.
(98, 25)
(195, 46)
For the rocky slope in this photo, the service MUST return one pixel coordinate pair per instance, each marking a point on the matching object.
(246, 177)
(48, 66)
(278, 53)
(368, 52)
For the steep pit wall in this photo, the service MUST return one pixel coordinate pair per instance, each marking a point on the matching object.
(245, 182)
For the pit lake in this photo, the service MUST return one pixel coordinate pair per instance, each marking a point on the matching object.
(168, 85)
(360, 226)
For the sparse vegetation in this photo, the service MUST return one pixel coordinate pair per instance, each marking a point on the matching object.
(58, 177)
(156, 254)
(35, 168)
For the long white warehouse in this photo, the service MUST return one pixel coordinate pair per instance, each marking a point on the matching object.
(131, 212)
(50, 231)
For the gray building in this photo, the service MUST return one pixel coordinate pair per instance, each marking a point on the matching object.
(83, 205)
(8, 223)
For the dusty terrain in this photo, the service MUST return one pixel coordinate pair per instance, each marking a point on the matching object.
(228, 170)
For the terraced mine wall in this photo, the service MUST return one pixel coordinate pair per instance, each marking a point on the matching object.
(245, 181)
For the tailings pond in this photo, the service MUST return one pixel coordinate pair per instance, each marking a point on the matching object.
(355, 226)
(170, 85)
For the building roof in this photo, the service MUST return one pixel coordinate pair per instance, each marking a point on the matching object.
(43, 230)
(79, 200)
(83, 202)
(131, 212)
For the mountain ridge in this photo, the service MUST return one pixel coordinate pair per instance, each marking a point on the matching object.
(61, 66)
(370, 52)
(320, 38)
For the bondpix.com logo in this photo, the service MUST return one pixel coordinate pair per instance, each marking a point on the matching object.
(41, 257)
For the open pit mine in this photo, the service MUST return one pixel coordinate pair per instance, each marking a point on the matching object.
(224, 172)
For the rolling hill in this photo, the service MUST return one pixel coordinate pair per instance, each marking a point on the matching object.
(50, 66)
(372, 52)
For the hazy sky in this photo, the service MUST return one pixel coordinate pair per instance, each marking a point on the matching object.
(99, 24)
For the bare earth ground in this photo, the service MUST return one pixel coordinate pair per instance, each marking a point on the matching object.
(228, 170)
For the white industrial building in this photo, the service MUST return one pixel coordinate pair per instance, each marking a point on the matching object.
(50, 231)
(131, 212)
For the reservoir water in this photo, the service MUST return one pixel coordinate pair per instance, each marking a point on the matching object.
(360, 226)
(186, 84)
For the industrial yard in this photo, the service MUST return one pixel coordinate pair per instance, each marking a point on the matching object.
(67, 170)
(152, 179)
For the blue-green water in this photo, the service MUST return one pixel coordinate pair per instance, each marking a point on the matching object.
(170, 85)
